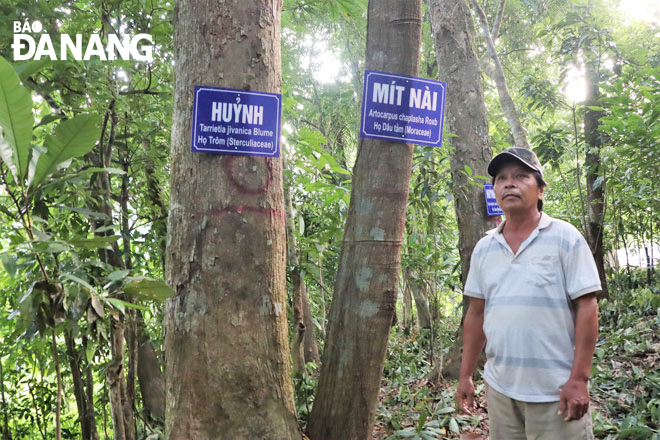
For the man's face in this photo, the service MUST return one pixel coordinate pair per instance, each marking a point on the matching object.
(516, 188)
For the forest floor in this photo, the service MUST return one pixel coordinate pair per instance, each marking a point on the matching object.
(625, 383)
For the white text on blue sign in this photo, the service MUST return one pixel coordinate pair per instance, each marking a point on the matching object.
(228, 121)
(492, 208)
(402, 108)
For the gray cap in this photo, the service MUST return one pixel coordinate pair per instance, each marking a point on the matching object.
(523, 156)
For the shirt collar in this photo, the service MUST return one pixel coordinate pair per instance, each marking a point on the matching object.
(544, 222)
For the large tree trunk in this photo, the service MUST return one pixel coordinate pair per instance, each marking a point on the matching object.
(227, 356)
(365, 293)
(595, 199)
(458, 65)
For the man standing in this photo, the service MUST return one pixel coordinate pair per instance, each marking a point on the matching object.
(533, 285)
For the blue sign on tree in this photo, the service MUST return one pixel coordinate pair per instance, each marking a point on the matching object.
(492, 208)
(227, 121)
(402, 108)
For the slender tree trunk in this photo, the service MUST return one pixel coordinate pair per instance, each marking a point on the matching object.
(143, 362)
(6, 432)
(58, 375)
(123, 416)
(299, 328)
(88, 431)
(38, 412)
(115, 374)
(365, 294)
(227, 365)
(509, 108)
(150, 375)
(595, 173)
(458, 65)
(495, 31)
(90, 412)
(303, 347)
(129, 316)
(421, 301)
(155, 196)
(311, 347)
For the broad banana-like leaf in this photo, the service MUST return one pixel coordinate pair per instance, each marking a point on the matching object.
(72, 138)
(16, 121)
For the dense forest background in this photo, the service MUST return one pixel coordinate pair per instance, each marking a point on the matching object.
(85, 206)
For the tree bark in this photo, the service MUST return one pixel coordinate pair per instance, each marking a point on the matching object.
(227, 366)
(87, 428)
(595, 172)
(155, 196)
(458, 65)
(6, 432)
(115, 374)
(123, 417)
(58, 375)
(421, 301)
(90, 412)
(365, 293)
(150, 376)
(509, 108)
(311, 347)
(304, 347)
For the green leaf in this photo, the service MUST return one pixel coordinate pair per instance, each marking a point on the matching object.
(9, 263)
(598, 182)
(118, 275)
(51, 117)
(27, 69)
(147, 288)
(595, 108)
(95, 242)
(635, 432)
(15, 121)
(121, 305)
(453, 426)
(79, 281)
(89, 352)
(87, 212)
(72, 138)
(422, 420)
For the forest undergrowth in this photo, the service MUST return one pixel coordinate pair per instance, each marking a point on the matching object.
(625, 385)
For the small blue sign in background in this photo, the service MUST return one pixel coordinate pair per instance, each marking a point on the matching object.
(227, 121)
(402, 108)
(491, 202)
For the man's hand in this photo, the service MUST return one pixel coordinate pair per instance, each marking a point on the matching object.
(574, 399)
(465, 396)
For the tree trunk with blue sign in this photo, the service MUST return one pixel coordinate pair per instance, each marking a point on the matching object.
(453, 34)
(365, 292)
(228, 372)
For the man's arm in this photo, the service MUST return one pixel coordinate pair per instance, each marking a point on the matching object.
(473, 342)
(574, 396)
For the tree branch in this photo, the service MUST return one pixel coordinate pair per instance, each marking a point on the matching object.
(519, 136)
(495, 33)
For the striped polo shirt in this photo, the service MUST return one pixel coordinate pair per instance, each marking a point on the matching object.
(529, 319)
